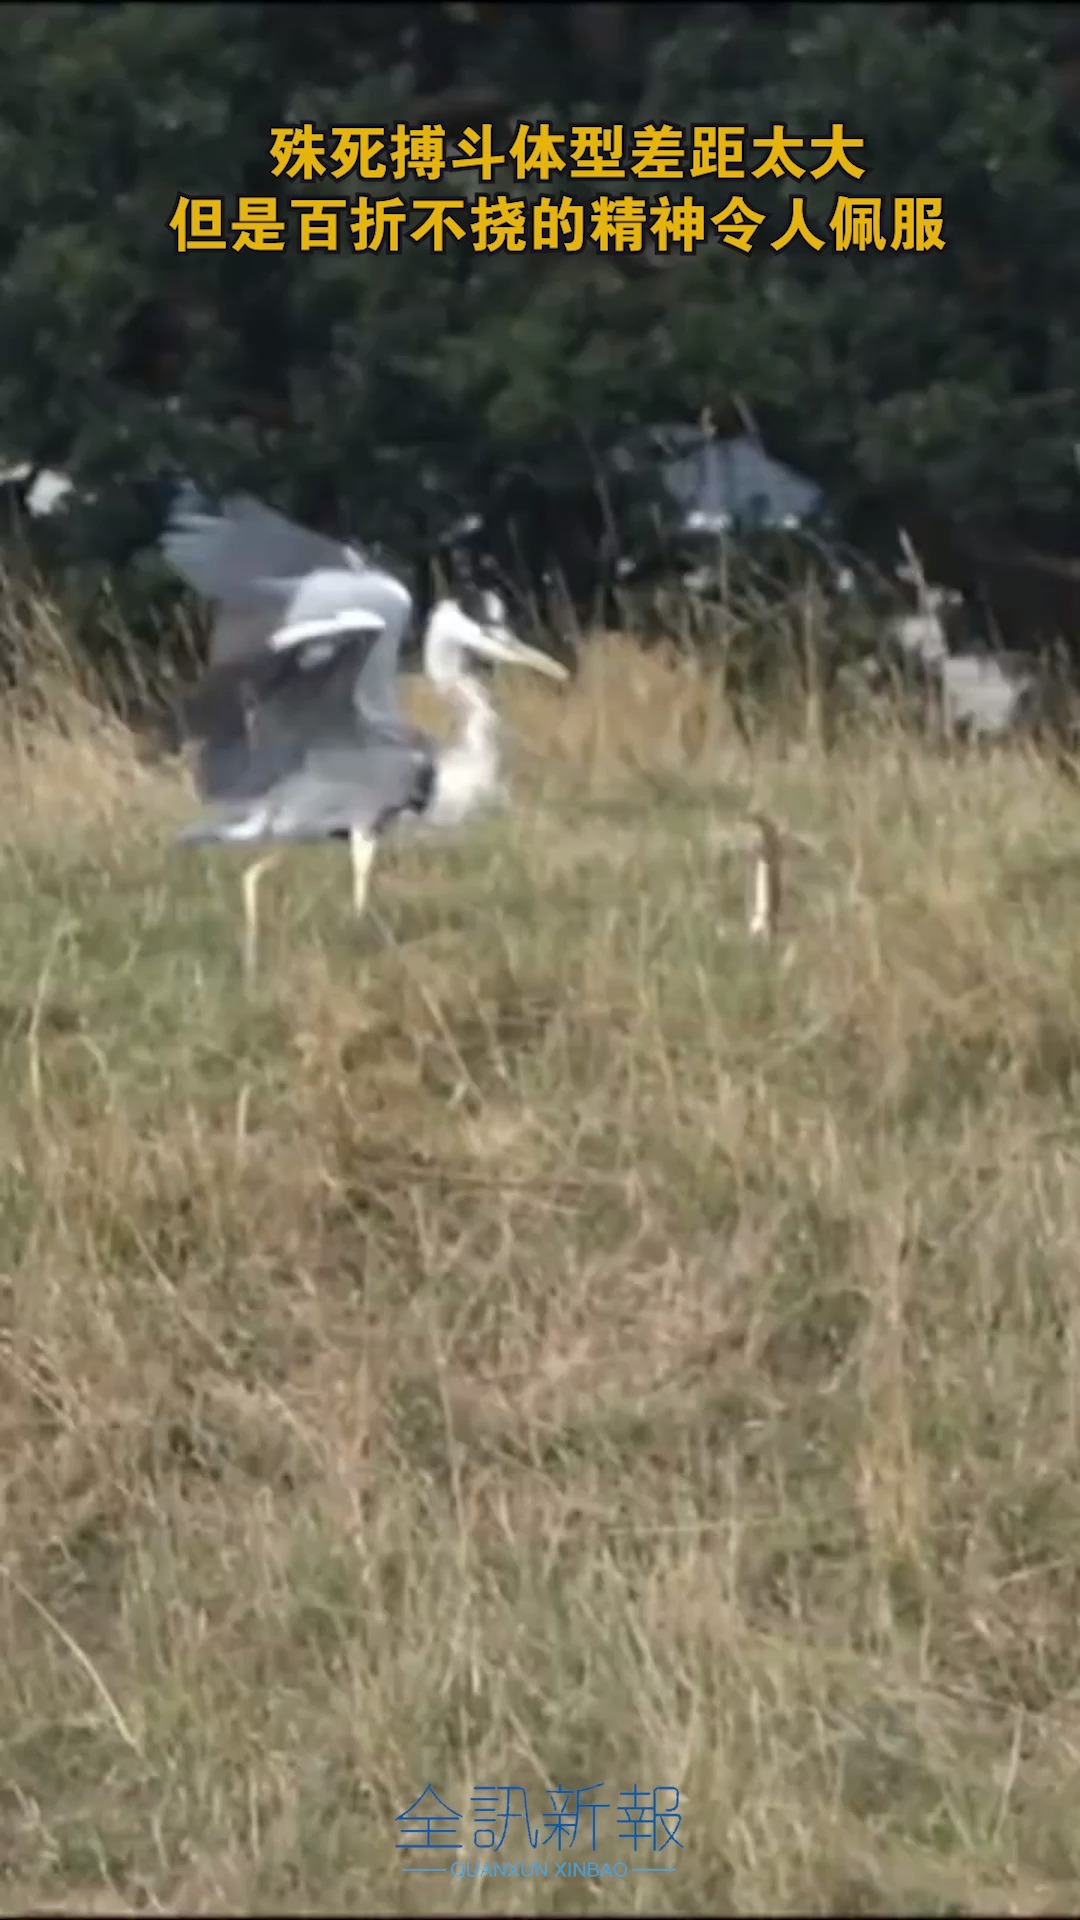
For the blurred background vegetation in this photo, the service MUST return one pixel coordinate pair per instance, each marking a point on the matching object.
(388, 393)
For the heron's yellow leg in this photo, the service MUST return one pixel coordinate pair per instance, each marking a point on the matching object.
(249, 886)
(362, 851)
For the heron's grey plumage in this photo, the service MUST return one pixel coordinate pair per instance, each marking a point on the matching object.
(272, 581)
(308, 765)
(226, 556)
(296, 723)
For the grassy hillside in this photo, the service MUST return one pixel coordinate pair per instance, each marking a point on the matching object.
(537, 1337)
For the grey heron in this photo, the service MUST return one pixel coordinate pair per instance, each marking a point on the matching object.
(296, 722)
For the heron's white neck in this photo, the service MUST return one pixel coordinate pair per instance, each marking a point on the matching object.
(444, 645)
(467, 771)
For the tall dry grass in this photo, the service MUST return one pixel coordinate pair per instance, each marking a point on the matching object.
(540, 1338)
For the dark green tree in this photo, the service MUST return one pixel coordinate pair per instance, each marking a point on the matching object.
(386, 390)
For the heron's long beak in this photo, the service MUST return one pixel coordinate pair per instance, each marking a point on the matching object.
(502, 645)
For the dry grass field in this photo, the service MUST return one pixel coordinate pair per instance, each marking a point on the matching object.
(539, 1337)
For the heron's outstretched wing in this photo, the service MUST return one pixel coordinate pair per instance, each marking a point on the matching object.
(358, 788)
(313, 766)
(222, 554)
(251, 732)
(299, 549)
(277, 585)
(375, 690)
(359, 785)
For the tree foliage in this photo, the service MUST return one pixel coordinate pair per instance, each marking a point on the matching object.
(387, 391)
